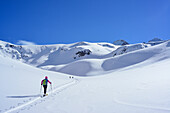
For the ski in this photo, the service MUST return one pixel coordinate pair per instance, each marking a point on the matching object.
(44, 95)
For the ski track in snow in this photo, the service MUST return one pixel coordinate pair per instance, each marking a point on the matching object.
(38, 100)
(142, 106)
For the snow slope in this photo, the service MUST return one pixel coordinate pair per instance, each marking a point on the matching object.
(91, 67)
(60, 57)
(58, 54)
(139, 88)
(132, 82)
(20, 83)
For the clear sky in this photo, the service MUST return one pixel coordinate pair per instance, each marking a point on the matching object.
(68, 21)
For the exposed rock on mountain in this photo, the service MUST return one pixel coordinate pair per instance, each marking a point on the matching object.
(120, 42)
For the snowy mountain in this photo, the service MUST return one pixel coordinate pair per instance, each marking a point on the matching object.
(120, 42)
(133, 78)
(155, 40)
(59, 56)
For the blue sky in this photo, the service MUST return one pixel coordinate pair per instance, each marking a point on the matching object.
(68, 21)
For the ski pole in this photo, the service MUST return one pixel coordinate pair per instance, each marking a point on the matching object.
(40, 89)
(51, 88)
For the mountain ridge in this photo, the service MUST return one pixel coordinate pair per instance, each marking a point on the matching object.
(59, 57)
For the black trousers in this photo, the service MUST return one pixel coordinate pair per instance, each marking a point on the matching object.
(45, 88)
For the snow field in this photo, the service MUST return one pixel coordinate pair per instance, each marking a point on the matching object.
(22, 83)
(133, 82)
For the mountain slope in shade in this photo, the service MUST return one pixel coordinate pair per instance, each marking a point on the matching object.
(120, 42)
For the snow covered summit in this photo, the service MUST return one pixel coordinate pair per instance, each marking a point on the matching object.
(155, 40)
(120, 42)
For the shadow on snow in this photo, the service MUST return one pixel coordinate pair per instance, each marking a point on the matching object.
(25, 96)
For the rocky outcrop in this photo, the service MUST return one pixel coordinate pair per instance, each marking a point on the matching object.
(83, 53)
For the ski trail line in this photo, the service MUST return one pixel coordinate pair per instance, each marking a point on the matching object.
(142, 106)
(62, 87)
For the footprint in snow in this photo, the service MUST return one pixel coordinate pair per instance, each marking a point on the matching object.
(35, 103)
(20, 104)
(31, 106)
(11, 107)
(25, 101)
(23, 109)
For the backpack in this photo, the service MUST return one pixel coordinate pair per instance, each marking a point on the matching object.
(45, 82)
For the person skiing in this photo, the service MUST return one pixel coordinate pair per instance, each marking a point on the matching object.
(44, 82)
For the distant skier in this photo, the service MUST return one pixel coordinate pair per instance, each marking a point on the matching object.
(44, 82)
(71, 77)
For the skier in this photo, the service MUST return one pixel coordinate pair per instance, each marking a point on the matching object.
(44, 82)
